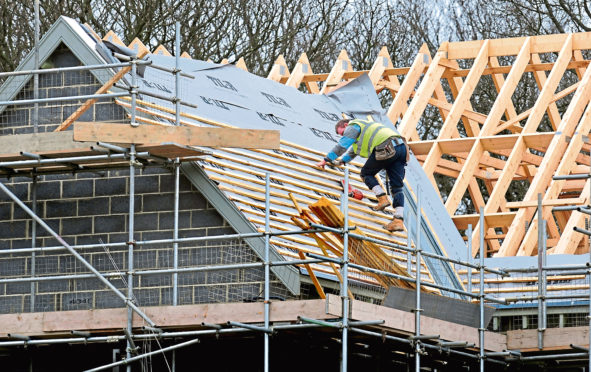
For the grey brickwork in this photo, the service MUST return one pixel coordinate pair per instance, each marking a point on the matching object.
(87, 208)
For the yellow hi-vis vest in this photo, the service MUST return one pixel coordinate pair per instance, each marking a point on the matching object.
(372, 134)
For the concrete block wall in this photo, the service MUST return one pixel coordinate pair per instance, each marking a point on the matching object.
(90, 208)
(19, 119)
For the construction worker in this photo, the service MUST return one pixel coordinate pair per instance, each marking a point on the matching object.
(384, 149)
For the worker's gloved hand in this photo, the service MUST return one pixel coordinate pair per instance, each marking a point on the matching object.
(341, 162)
(320, 164)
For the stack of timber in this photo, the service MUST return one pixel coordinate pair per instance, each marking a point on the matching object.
(361, 252)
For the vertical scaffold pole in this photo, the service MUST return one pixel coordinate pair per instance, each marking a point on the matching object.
(130, 247)
(345, 274)
(540, 270)
(36, 76)
(481, 292)
(133, 91)
(176, 176)
(589, 281)
(408, 255)
(33, 240)
(177, 77)
(175, 234)
(175, 246)
(177, 117)
(267, 267)
(544, 282)
(418, 263)
(469, 258)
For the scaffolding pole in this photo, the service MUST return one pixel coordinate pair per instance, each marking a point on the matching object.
(175, 277)
(481, 293)
(469, 258)
(33, 241)
(267, 268)
(161, 241)
(345, 275)
(540, 271)
(418, 263)
(130, 244)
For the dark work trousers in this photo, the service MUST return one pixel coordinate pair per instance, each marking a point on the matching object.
(394, 169)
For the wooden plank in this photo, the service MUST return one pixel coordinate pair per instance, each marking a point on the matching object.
(171, 150)
(471, 126)
(39, 324)
(51, 142)
(554, 338)
(552, 110)
(183, 135)
(546, 203)
(219, 124)
(492, 220)
(500, 70)
(510, 46)
(457, 146)
(498, 81)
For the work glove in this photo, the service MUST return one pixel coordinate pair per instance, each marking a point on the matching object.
(321, 164)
